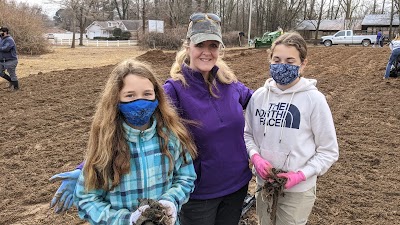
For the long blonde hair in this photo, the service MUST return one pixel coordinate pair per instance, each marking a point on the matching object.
(225, 75)
(108, 154)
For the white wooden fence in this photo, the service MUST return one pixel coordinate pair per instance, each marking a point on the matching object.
(95, 43)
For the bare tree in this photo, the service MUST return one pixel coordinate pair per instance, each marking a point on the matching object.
(84, 16)
(237, 16)
(336, 10)
(329, 9)
(103, 10)
(144, 16)
(397, 5)
(383, 7)
(374, 7)
(321, 8)
(189, 8)
(349, 6)
(229, 9)
(198, 6)
(275, 14)
(137, 4)
(291, 12)
(172, 13)
(206, 6)
(157, 8)
(391, 20)
(71, 8)
(122, 7)
(243, 17)
(179, 11)
(311, 11)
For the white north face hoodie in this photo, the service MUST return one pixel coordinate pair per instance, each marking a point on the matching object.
(292, 129)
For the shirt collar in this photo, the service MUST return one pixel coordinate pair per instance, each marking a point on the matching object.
(190, 73)
(133, 135)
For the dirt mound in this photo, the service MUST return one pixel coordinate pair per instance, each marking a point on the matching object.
(157, 56)
(44, 130)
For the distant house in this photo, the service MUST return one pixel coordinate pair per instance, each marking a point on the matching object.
(106, 28)
(307, 28)
(374, 22)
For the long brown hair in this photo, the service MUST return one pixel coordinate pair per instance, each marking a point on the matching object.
(108, 154)
(225, 75)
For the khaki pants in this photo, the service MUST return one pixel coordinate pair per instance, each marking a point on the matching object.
(293, 209)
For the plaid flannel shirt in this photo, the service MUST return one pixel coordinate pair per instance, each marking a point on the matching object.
(148, 178)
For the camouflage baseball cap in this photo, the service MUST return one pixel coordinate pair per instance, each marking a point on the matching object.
(204, 27)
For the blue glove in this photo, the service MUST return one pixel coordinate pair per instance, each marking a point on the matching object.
(63, 198)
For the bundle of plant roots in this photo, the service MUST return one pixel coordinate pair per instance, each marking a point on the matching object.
(156, 214)
(272, 189)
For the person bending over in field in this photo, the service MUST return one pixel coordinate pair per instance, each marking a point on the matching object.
(394, 55)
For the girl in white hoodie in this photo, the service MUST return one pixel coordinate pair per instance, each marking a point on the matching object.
(289, 126)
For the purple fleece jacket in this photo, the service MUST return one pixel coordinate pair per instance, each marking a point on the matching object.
(222, 166)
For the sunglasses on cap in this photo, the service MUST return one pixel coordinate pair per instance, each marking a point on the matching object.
(202, 16)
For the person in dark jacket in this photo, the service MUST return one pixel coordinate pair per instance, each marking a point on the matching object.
(8, 59)
(204, 90)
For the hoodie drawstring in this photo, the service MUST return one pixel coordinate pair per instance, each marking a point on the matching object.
(266, 111)
(284, 118)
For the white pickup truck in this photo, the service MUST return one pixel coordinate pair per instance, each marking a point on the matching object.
(346, 37)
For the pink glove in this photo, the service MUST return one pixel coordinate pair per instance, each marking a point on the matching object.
(263, 167)
(293, 178)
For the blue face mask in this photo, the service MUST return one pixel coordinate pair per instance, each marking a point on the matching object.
(138, 112)
(284, 74)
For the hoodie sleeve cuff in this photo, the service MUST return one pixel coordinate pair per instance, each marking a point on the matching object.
(308, 171)
(252, 152)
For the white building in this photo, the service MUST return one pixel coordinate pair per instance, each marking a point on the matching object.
(106, 28)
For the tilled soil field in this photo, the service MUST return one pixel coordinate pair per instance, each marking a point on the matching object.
(44, 130)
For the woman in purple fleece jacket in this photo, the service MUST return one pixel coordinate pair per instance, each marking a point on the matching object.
(204, 90)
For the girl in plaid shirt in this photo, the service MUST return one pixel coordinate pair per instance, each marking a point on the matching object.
(138, 149)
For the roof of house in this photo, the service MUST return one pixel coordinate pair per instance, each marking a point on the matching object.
(380, 19)
(130, 25)
(329, 25)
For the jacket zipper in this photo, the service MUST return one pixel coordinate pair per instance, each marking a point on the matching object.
(144, 163)
(216, 108)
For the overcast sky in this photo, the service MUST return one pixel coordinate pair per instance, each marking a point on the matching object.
(49, 7)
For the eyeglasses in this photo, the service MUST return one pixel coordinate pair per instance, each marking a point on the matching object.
(197, 17)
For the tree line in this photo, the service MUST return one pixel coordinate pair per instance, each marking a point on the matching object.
(266, 15)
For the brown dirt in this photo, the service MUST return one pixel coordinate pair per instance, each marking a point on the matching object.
(64, 57)
(44, 129)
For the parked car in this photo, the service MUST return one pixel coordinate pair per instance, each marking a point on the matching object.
(347, 37)
(50, 36)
